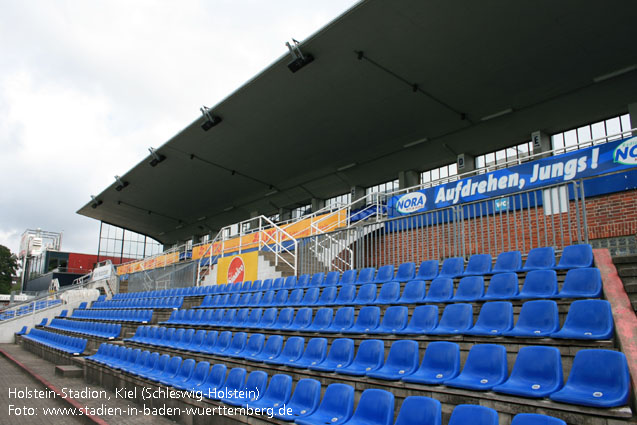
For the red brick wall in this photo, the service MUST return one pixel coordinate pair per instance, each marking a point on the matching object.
(607, 216)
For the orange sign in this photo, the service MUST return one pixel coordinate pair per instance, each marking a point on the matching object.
(238, 268)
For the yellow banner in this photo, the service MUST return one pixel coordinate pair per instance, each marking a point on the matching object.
(299, 229)
(238, 268)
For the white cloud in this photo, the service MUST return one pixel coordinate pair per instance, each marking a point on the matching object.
(87, 87)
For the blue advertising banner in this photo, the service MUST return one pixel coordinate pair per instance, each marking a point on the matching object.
(589, 162)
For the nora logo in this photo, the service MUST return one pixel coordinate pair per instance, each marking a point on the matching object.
(626, 153)
(236, 270)
(411, 202)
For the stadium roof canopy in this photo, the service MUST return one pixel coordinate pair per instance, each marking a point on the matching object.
(386, 74)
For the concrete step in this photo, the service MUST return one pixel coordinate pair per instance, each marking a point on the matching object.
(625, 259)
(627, 271)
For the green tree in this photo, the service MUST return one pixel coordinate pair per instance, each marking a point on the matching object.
(8, 267)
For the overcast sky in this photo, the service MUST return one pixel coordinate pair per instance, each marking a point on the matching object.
(87, 86)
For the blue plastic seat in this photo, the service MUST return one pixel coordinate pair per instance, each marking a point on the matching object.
(539, 284)
(23, 331)
(465, 414)
(538, 318)
(335, 408)
(418, 410)
(540, 258)
(224, 339)
(302, 320)
(291, 283)
(256, 286)
(402, 360)
(346, 295)
(215, 379)
(316, 280)
(184, 373)
(366, 294)
(254, 318)
(389, 293)
(582, 283)
(255, 387)
(170, 371)
(240, 318)
(495, 317)
(535, 419)
(268, 318)
(384, 274)
(369, 357)
(394, 320)
(440, 290)
(322, 320)
(440, 363)
(295, 297)
(452, 267)
(428, 270)
(268, 299)
(281, 297)
(197, 377)
(537, 373)
(327, 296)
(271, 349)
(276, 394)
(375, 407)
(405, 272)
(311, 296)
(244, 300)
(423, 319)
(331, 279)
(292, 351)
(253, 347)
(502, 286)
(413, 293)
(478, 265)
(304, 401)
(314, 354)
(348, 277)
(574, 256)
(196, 341)
(485, 367)
(157, 370)
(255, 299)
(266, 285)
(470, 288)
(589, 384)
(235, 381)
(368, 319)
(341, 355)
(366, 276)
(456, 319)
(237, 345)
(343, 320)
(587, 319)
(510, 261)
(278, 283)
(284, 320)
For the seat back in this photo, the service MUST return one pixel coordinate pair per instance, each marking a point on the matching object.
(348, 277)
(375, 407)
(344, 318)
(395, 318)
(465, 414)
(540, 258)
(413, 293)
(341, 352)
(487, 361)
(384, 274)
(403, 356)
(541, 315)
(496, 316)
(441, 289)
(368, 318)
(416, 410)
(457, 316)
(540, 284)
(428, 270)
(405, 272)
(585, 282)
(510, 261)
(389, 293)
(346, 295)
(338, 402)
(479, 264)
(370, 354)
(366, 275)
(503, 286)
(273, 346)
(452, 267)
(470, 288)
(366, 294)
(535, 419)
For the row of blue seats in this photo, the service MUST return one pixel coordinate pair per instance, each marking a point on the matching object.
(537, 372)
(303, 405)
(579, 283)
(168, 302)
(29, 308)
(586, 319)
(65, 343)
(101, 330)
(137, 316)
(573, 256)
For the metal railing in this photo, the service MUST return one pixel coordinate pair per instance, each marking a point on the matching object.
(266, 236)
(520, 221)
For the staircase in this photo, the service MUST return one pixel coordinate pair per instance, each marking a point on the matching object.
(627, 269)
(282, 267)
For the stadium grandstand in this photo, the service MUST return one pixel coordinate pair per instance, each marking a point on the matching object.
(425, 213)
